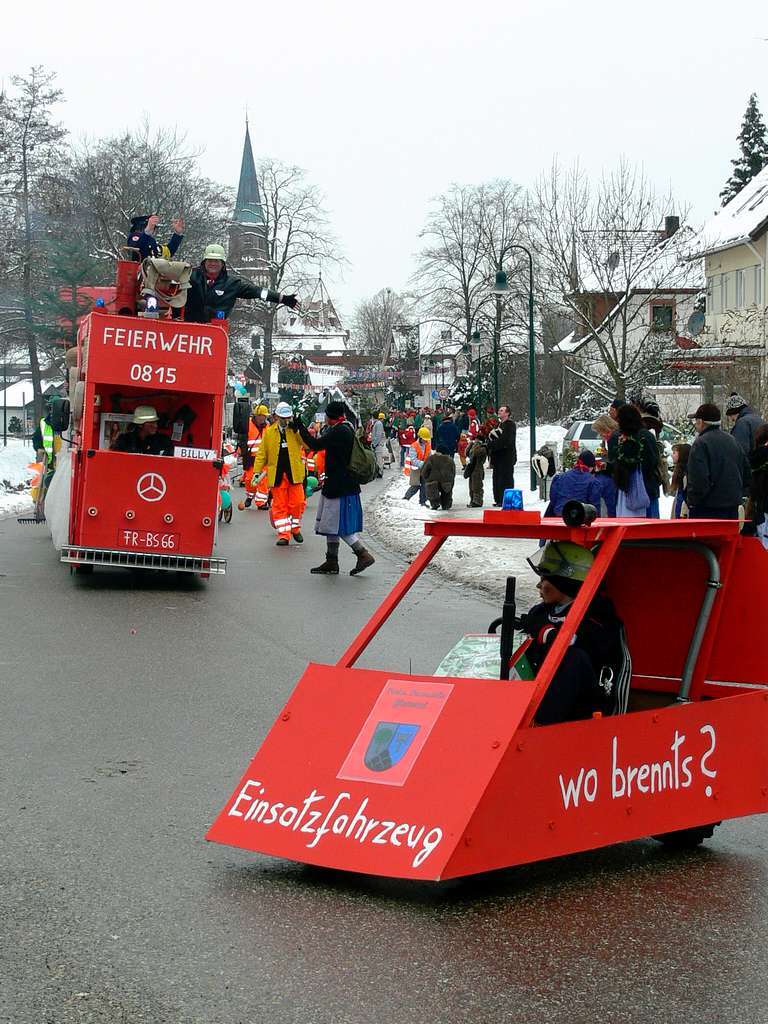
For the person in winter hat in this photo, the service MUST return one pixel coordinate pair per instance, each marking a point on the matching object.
(744, 421)
(142, 237)
(340, 511)
(213, 289)
(576, 484)
(583, 682)
(406, 435)
(438, 474)
(718, 470)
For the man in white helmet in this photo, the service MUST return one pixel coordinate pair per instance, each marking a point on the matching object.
(280, 454)
(213, 289)
(142, 437)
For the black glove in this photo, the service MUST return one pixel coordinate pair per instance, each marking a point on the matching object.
(296, 424)
(291, 301)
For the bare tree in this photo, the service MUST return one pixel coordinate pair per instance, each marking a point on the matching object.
(148, 170)
(299, 238)
(376, 321)
(31, 151)
(604, 257)
(451, 272)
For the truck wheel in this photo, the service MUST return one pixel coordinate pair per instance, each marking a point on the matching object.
(221, 514)
(686, 838)
(76, 402)
(228, 515)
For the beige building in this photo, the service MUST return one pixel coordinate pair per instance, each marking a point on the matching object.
(733, 344)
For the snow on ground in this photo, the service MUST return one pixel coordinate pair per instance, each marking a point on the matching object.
(484, 563)
(15, 477)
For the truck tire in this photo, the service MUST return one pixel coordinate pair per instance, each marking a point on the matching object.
(686, 838)
(76, 402)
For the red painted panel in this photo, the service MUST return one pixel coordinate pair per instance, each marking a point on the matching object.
(293, 801)
(161, 353)
(582, 785)
(150, 487)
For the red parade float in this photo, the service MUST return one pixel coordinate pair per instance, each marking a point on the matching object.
(433, 777)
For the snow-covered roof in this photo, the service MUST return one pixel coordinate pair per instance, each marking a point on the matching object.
(20, 393)
(644, 260)
(742, 219)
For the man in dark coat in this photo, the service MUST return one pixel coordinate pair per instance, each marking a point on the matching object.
(718, 471)
(448, 435)
(501, 444)
(745, 422)
(214, 290)
(142, 236)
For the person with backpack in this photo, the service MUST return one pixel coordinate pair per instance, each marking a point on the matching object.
(340, 511)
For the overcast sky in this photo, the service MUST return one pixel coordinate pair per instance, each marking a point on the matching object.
(386, 105)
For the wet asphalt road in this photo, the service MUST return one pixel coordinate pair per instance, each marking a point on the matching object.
(130, 706)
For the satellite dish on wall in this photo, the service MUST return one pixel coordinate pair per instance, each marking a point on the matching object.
(696, 322)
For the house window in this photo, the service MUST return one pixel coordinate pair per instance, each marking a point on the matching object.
(758, 286)
(724, 291)
(741, 276)
(662, 316)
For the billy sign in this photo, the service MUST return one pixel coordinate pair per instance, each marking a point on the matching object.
(172, 352)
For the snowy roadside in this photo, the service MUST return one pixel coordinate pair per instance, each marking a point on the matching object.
(14, 478)
(483, 563)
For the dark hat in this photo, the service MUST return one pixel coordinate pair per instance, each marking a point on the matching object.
(334, 410)
(140, 222)
(617, 403)
(707, 412)
(586, 457)
(735, 403)
(629, 419)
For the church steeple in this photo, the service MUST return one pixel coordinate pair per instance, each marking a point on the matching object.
(248, 249)
(248, 208)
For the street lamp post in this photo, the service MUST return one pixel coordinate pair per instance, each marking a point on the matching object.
(499, 290)
(476, 342)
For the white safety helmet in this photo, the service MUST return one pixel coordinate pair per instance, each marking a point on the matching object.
(283, 410)
(214, 251)
(145, 414)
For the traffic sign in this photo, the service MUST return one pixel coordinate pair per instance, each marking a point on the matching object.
(442, 393)
(434, 394)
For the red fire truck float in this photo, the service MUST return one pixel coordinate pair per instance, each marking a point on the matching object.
(444, 775)
(142, 511)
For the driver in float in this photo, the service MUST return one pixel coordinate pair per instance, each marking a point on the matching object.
(142, 438)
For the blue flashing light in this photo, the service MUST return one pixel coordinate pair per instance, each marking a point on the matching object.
(512, 500)
(100, 303)
(220, 314)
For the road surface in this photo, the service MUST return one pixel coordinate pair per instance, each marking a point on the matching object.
(130, 706)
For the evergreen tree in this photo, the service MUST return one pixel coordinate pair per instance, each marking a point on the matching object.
(753, 142)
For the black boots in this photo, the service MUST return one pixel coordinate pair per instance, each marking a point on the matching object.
(364, 559)
(330, 567)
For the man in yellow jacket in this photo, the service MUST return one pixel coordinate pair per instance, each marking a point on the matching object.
(280, 453)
